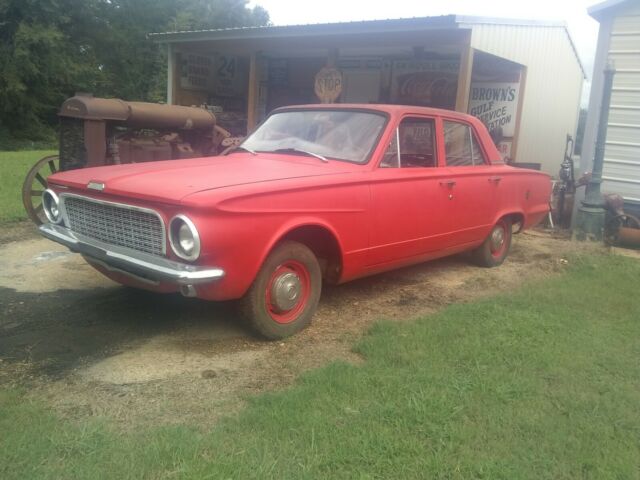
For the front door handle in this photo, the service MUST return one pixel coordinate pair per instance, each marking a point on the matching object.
(448, 183)
(495, 179)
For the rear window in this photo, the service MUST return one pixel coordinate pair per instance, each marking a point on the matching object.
(461, 146)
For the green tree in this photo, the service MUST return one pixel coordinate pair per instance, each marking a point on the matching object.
(136, 67)
(42, 53)
(50, 49)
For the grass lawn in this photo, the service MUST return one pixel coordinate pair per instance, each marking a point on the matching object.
(13, 169)
(541, 383)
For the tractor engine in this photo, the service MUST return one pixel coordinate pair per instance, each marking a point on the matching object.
(101, 131)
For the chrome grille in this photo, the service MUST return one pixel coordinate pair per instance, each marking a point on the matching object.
(116, 224)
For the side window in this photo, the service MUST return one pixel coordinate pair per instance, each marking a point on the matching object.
(416, 138)
(460, 145)
(478, 156)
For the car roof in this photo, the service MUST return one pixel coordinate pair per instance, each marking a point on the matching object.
(393, 110)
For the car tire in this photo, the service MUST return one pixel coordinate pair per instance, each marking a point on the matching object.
(285, 293)
(496, 246)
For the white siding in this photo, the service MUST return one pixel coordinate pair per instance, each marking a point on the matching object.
(552, 91)
(622, 153)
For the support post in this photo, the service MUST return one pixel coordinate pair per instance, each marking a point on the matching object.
(590, 215)
(464, 79)
(170, 73)
(252, 97)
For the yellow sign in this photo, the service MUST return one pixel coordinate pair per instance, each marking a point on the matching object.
(328, 86)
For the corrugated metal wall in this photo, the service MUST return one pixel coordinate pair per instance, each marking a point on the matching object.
(552, 91)
(622, 153)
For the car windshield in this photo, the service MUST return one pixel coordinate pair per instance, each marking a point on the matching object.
(326, 134)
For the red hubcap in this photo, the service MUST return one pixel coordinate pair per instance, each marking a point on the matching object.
(287, 292)
(498, 240)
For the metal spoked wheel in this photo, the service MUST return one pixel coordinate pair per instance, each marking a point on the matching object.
(35, 183)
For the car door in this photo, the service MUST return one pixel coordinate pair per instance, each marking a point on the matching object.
(470, 186)
(406, 206)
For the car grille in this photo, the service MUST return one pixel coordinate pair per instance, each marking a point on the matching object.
(116, 224)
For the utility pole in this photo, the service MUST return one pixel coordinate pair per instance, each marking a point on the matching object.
(590, 216)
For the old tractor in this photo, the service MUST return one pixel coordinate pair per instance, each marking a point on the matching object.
(108, 131)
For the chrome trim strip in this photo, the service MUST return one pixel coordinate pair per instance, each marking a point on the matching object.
(131, 261)
(114, 204)
(194, 232)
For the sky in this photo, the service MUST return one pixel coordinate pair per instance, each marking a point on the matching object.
(583, 29)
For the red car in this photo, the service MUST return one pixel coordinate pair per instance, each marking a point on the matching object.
(317, 193)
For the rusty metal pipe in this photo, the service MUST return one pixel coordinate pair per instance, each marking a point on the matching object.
(155, 115)
(629, 237)
(137, 114)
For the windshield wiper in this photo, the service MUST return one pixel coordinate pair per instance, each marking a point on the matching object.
(306, 152)
(240, 147)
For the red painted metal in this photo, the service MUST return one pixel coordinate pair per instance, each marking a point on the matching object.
(380, 218)
(498, 252)
(302, 273)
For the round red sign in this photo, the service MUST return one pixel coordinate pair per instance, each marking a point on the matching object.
(328, 85)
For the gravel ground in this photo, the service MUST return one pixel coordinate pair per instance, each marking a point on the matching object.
(90, 347)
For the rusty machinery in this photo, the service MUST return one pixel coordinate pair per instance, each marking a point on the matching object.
(100, 131)
(620, 228)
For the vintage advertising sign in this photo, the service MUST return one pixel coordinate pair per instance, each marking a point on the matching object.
(196, 72)
(431, 83)
(227, 77)
(278, 72)
(496, 104)
(328, 84)
(504, 147)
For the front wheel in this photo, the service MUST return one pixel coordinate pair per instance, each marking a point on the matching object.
(284, 296)
(496, 246)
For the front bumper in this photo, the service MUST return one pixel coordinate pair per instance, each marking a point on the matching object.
(139, 265)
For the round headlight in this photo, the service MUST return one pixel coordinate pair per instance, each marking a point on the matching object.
(51, 206)
(184, 238)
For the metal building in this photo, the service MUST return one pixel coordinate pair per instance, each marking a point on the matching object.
(522, 78)
(619, 45)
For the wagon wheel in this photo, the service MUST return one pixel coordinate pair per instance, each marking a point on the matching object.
(35, 183)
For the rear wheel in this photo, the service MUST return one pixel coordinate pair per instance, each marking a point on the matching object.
(496, 246)
(284, 296)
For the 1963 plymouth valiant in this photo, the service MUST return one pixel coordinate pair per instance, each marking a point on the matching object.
(317, 193)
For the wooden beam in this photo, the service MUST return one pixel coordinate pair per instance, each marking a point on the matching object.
(171, 70)
(252, 97)
(464, 79)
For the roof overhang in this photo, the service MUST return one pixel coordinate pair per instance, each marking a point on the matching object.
(601, 10)
(444, 29)
(309, 30)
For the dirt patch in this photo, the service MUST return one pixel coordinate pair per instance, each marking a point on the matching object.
(17, 231)
(96, 348)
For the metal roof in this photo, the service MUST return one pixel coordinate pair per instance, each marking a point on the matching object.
(271, 31)
(360, 26)
(356, 27)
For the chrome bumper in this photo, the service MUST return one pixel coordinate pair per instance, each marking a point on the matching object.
(140, 265)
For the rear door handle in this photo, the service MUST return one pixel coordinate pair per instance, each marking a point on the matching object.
(495, 179)
(448, 183)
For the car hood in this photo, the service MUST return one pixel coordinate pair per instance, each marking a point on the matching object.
(172, 180)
